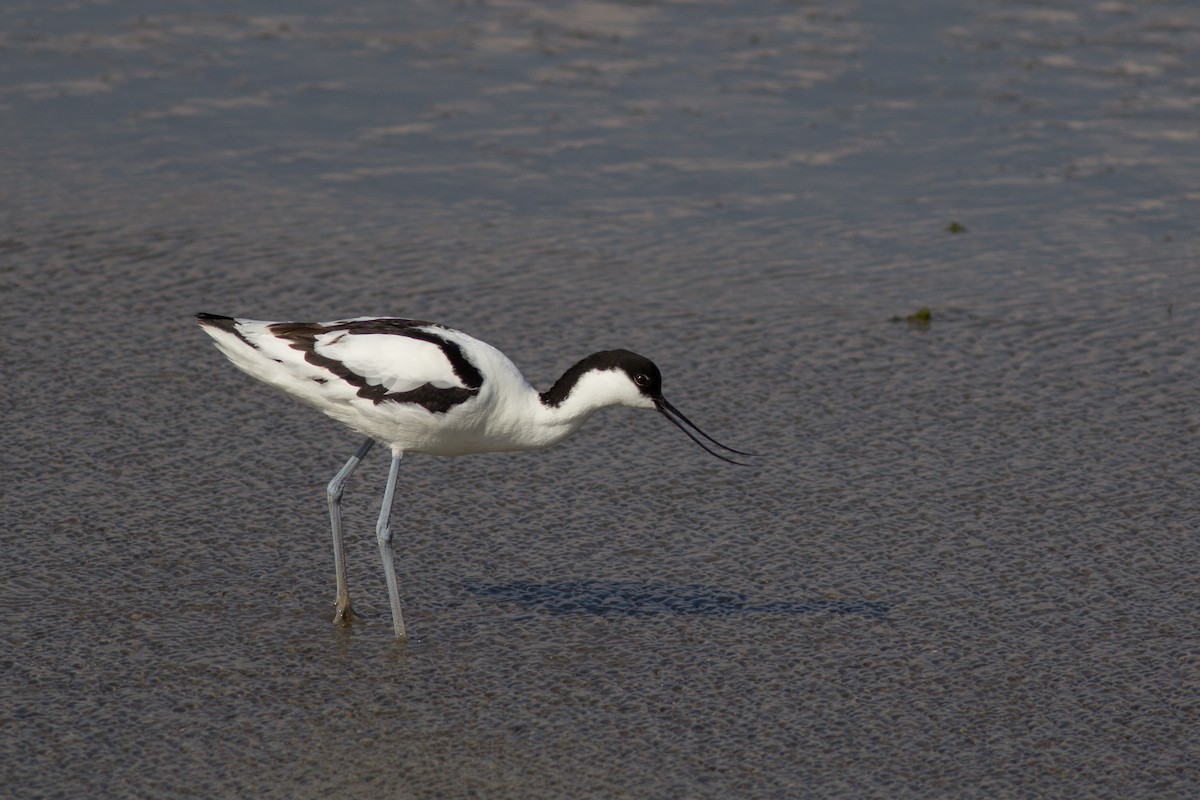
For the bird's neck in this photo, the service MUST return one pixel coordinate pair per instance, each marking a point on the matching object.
(562, 409)
(521, 418)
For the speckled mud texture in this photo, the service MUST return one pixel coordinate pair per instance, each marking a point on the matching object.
(966, 567)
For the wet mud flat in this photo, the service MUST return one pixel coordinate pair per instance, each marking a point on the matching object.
(966, 567)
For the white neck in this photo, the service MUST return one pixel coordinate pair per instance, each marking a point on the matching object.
(534, 424)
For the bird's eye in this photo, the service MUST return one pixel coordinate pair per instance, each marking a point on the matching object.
(641, 379)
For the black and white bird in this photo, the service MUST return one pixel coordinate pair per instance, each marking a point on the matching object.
(420, 387)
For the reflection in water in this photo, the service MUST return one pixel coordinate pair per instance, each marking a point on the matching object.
(644, 598)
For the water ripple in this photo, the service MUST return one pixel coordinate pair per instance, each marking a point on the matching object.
(645, 598)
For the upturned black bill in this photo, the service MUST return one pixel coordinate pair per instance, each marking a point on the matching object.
(684, 424)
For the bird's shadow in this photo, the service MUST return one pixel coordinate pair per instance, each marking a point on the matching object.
(646, 598)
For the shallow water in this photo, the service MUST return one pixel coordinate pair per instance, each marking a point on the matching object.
(966, 567)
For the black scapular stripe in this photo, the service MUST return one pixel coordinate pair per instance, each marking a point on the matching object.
(303, 336)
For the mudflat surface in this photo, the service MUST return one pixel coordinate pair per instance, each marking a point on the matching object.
(966, 566)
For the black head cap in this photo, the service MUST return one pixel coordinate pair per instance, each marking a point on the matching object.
(641, 370)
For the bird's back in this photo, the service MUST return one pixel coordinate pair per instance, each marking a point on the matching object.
(416, 385)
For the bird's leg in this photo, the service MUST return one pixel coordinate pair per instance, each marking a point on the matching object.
(344, 614)
(384, 534)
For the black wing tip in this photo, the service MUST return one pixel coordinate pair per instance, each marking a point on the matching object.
(228, 324)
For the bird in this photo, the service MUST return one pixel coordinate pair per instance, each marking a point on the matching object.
(422, 387)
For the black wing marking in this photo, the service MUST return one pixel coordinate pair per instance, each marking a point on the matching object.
(302, 336)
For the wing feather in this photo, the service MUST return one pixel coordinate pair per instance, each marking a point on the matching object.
(397, 363)
(335, 365)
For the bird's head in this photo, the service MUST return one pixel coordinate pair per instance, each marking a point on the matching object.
(624, 378)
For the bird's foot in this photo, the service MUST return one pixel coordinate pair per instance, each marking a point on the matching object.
(344, 615)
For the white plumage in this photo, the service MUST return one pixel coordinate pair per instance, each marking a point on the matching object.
(421, 387)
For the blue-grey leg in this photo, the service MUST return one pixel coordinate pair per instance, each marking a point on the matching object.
(344, 613)
(384, 534)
